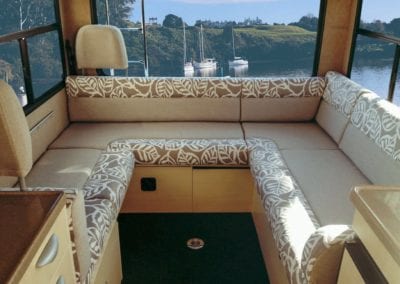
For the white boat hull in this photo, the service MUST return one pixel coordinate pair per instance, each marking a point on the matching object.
(205, 65)
(188, 68)
(238, 62)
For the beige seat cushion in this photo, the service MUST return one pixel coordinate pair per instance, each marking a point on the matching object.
(291, 135)
(68, 168)
(326, 178)
(98, 135)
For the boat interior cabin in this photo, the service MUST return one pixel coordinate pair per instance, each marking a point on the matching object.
(124, 169)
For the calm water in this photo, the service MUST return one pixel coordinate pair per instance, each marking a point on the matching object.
(376, 78)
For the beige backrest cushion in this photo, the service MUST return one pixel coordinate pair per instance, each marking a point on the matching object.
(15, 140)
(100, 46)
(119, 99)
(291, 99)
(339, 98)
(372, 139)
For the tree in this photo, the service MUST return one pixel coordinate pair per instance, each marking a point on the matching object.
(308, 22)
(394, 27)
(119, 12)
(172, 21)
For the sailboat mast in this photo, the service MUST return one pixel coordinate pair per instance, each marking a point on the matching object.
(233, 44)
(202, 43)
(184, 44)
(200, 46)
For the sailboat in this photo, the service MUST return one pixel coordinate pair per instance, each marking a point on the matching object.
(205, 63)
(187, 65)
(237, 60)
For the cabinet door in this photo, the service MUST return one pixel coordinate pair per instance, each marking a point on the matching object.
(170, 191)
(222, 190)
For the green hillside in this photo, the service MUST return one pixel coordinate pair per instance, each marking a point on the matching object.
(256, 43)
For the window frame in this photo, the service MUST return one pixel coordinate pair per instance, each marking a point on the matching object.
(22, 36)
(379, 36)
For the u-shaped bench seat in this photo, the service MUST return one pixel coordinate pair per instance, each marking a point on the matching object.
(306, 125)
(305, 142)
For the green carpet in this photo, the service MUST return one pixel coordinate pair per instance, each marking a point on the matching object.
(153, 248)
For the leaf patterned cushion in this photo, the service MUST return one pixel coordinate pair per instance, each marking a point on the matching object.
(300, 240)
(184, 152)
(140, 87)
(110, 178)
(379, 120)
(99, 219)
(282, 88)
(332, 238)
(341, 92)
(291, 218)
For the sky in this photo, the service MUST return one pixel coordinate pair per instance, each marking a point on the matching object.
(270, 11)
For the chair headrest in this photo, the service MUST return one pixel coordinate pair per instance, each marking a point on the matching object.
(100, 46)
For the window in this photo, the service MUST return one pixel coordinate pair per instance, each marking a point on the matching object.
(272, 43)
(377, 48)
(31, 58)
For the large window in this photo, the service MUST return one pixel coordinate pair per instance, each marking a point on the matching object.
(276, 38)
(377, 48)
(31, 58)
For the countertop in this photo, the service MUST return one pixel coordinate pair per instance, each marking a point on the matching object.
(25, 217)
(380, 207)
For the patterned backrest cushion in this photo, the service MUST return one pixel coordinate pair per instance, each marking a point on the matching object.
(339, 98)
(290, 99)
(94, 98)
(184, 152)
(372, 139)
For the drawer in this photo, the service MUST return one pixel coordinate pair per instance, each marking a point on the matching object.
(222, 190)
(173, 190)
(58, 240)
(64, 271)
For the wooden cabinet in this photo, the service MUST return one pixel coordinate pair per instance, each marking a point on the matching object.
(187, 189)
(37, 242)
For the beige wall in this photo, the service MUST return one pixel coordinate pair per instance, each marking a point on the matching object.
(338, 35)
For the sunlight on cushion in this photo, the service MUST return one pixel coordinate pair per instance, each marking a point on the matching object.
(76, 169)
(299, 226)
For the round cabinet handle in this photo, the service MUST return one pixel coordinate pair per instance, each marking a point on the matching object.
(60, 280)
(49, 252)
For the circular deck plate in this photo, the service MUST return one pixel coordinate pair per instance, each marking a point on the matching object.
(195, 243)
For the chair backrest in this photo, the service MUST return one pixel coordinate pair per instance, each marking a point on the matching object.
(15, 139)
(100, 46)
